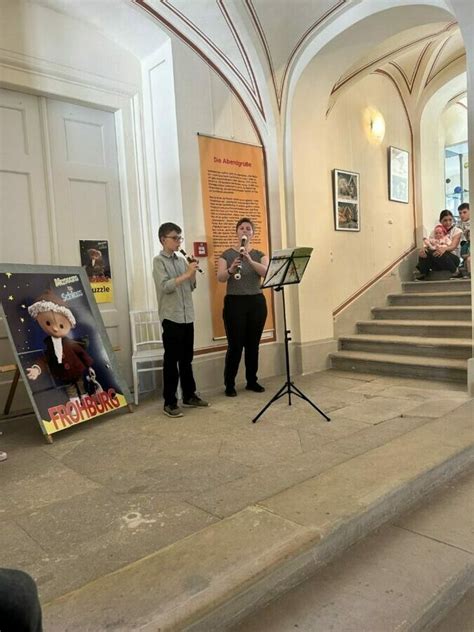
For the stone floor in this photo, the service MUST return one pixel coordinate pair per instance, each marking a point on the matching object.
(404, 576)
(108, 493)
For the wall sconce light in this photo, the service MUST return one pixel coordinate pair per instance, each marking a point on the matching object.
(377, 127)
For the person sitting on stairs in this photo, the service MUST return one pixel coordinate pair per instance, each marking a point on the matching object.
(464, 271)
(444, 257)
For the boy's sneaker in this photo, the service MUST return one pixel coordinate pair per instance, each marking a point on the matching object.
(195, 402)
(173, 410)
(458, 274)
(3, 456)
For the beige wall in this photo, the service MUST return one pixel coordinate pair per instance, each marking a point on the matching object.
(343, 262)
(454, 121)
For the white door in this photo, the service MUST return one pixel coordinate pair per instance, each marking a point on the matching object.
(87, 203)
(24, 220)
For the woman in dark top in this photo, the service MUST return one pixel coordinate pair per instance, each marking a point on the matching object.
(444, 257)
(245, 308)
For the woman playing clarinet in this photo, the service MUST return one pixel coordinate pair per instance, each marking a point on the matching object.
(245, 308)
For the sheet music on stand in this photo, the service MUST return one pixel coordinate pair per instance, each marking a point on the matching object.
(287, 266)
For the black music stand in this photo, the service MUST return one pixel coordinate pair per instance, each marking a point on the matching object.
(287, 268)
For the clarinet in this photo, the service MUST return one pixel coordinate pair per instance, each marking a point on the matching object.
(189, 259)
(238, 273)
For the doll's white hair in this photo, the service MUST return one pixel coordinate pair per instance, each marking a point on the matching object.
(48, 306)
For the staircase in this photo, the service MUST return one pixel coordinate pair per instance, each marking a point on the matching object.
(425, 332)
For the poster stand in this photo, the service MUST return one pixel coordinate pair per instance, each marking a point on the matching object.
(287, 268)
(72, 377)
(11, 393)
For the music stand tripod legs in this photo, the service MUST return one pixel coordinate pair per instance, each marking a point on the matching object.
(288, 387)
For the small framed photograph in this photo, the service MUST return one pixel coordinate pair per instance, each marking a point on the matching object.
(398, 174)
(346, 200)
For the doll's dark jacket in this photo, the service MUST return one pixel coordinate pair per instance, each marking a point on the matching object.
(75, 360)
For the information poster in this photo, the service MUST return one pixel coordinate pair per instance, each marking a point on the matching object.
(60, 345)
(95, 259)
(233, 186)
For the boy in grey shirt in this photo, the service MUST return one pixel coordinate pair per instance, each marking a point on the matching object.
(175, 280)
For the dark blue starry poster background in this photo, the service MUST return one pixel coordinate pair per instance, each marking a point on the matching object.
(20, 287)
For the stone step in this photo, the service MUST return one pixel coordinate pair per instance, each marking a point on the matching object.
(460, 618)
(433, 298)
(460, 348)
(451, 285)
(214, 577)
(428, 328)
(434, 368)
(425, 312)
(410, 575)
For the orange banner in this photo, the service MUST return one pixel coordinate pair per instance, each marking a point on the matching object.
(233, 186)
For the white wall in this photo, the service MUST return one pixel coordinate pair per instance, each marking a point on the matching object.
(464, 12)
(433, 138)
(454, 122)
(204, 105)
(68, 46)
(160, 104)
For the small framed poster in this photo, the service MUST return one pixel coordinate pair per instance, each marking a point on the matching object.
(398, 170)
(346, 200)
(96, 261)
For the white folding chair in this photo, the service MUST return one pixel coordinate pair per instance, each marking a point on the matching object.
(147, 345)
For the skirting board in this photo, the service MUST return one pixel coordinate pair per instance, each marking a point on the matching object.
(307, 357)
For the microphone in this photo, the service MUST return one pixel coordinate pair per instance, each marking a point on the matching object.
(189, 259)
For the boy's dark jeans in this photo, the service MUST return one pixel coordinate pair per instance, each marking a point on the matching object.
(178, 342)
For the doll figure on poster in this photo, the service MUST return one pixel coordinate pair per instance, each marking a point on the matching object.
(96, 267)
(66, 359)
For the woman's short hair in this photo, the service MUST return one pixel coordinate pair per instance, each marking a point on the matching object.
(244, 220)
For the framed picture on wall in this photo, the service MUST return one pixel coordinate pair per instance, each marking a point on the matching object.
(398, 161)
(346, 200)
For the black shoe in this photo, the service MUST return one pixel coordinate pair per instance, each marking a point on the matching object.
(457, 275)
(256, 388)
(195, 402)
(230, 391)
(173, 410)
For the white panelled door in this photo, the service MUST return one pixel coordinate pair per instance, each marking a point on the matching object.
(87, 202)
(24, 220)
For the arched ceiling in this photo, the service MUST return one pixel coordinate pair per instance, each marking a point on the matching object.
(253, 43)
(117, 20)
(412, 60)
